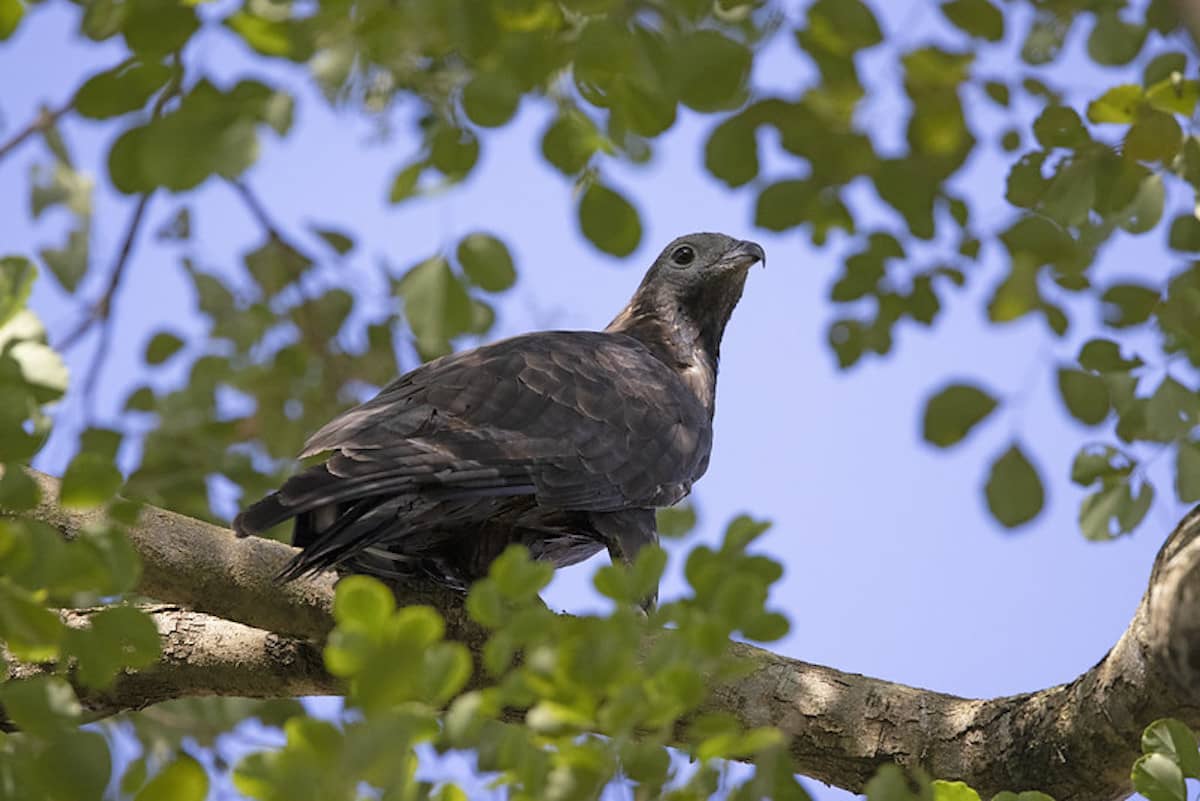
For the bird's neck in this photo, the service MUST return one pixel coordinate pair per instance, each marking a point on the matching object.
(683, 333)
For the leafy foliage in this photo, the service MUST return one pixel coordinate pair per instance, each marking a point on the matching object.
(289, 339)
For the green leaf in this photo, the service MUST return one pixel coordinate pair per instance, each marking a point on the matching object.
(1145, 210)
(17, 275)
(275, 264)
(976, 17)
(362, 601)
(1187, 473)
(404, 185)
(953, 791)
(118, 637)
(1113, 42)
(1159, 778)
(1114, 503)
(731, 153)
(1127, 305)
(436, 305)
(1117, 105)
(676, 521)
(1014, 490)
(1185, 233)
(340, 242)
(953, 411)
(1172, 410)
(1175, 740)
(68, 263)
(1085, 395)
(891, 783)
(490, 99)
(154, 29)
(486, 262)
(1162, 67)
(1104, 356)
(90, 480)
(609, 221)
(162, 346)
(124, 88)
(453, 151)
(1060, 126)
(1174, 95)
(42, 706)
(1155, 136)
(11, 12)
(570, 141)
(713, 70)
(284, 38)
(104, 18)
(182, 780)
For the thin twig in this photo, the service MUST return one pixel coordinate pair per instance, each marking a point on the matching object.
(44, 121)
(103, 309)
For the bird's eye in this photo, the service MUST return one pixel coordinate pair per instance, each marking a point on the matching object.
(683, 255)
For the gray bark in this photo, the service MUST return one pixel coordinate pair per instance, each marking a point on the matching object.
(232, 630)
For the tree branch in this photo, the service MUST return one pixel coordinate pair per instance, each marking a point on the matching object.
(203, 655)
(44, 121)
(1075, 741)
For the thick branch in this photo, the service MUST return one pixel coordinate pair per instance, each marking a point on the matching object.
(204, 655)
(1075, 741)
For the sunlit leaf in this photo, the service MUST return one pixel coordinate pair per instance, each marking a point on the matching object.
(1014, 490)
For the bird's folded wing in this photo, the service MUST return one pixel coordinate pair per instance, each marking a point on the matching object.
(581, 420)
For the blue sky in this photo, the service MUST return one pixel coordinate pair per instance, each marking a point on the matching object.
(893, 566)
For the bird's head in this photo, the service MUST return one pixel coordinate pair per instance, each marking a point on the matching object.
(692, 288)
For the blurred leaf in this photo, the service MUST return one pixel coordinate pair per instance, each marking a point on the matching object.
(609, 221)
(284, 38)
(976, 17)
(125, 88)
(953, 791)
(153, 29)
(184, 779)
(570, 141)
(1113, 42)
(1060, 126)
(275, 264)
(1085, 395)
(490, 99)
(17, 275)
(453, 151)
(1146, 208)
(436, 305)
(68, 264)
(953, 411)
(90, 480)
(1114, 510)
(11, 12)
(676, 521)
(404, 185)
(1174, 95)
(486, 262)
(1104, 355)
(1128, 304)
(1185, 233)
(1014, 490)
(162, 346)
(1117, 105)
(1172, 410)
(362, 601)
(42, 706)
(713, 70)
(118, 637)
(341, 243)
(1155, 136)
(731, 153)
(1094, 463)
(1162, 66)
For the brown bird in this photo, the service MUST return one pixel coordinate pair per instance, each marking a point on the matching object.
(563, 441)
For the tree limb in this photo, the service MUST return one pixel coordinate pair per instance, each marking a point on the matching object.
(1075, 741)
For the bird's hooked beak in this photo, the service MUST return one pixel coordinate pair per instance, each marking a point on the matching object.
(744, 254)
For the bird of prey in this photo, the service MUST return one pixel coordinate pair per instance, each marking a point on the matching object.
(563, 441)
